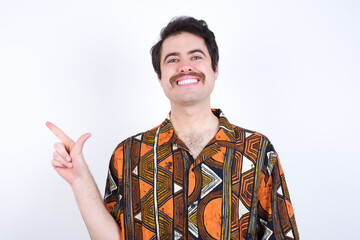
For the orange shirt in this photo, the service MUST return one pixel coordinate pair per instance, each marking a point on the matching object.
(234, 189)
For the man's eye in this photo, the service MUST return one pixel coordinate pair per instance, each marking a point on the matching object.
(172, 60)
(196, 57)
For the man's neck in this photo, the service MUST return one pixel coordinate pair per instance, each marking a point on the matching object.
(195, 125)
(193, 119)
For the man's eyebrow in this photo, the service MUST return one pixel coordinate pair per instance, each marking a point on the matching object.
(171, 54)
(189, 52)
(197, 50)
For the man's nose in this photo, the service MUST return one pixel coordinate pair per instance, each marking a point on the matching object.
(185, 67)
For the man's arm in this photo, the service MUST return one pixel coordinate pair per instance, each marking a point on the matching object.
(274, 200)
(69, 162)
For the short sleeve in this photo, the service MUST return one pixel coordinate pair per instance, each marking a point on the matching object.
(276, 214)
(113, 197)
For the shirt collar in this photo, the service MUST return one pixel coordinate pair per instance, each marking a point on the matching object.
(224, 137)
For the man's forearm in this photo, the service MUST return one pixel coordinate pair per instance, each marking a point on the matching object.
(99, 222)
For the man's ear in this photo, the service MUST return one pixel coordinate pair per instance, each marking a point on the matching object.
(216, 71)
(159, 80)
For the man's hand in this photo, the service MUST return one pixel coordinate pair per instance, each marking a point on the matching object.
(69, 162)
(68, 159)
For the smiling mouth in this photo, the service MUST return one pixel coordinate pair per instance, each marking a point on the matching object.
(187, 81)
(187, 78)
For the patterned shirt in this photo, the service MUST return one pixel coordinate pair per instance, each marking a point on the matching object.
(234, 189)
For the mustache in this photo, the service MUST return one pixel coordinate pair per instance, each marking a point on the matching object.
(195, 74)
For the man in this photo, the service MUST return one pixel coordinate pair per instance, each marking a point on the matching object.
(195, 176)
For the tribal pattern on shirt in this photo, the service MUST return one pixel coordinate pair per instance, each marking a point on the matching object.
(234, 189)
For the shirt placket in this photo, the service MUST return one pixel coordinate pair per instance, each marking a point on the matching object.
(188, 210)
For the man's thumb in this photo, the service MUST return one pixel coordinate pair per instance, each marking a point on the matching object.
(80, 143)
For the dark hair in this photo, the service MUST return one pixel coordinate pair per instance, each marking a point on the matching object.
(186, 24)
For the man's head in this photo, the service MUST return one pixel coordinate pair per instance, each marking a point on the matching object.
(190, 25)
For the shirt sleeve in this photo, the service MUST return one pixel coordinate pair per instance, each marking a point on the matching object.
(276, 214)
(113, 197)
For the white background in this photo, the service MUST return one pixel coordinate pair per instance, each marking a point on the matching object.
(288, 69)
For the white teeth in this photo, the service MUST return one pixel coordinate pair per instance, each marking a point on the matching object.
(187, 81)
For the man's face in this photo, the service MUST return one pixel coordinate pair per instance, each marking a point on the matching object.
(187, 77)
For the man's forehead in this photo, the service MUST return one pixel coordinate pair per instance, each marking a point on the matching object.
(183, 43)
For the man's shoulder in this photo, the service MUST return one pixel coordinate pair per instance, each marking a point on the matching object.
(243, 135)
(251, 141)
(146, 136)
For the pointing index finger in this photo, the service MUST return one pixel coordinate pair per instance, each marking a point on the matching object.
(60, 134)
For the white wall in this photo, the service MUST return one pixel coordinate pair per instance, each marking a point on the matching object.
(288, 69)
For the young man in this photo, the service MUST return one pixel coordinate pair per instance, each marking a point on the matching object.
(195, 176)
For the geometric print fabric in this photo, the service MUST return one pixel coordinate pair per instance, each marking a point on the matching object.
(234, 189)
